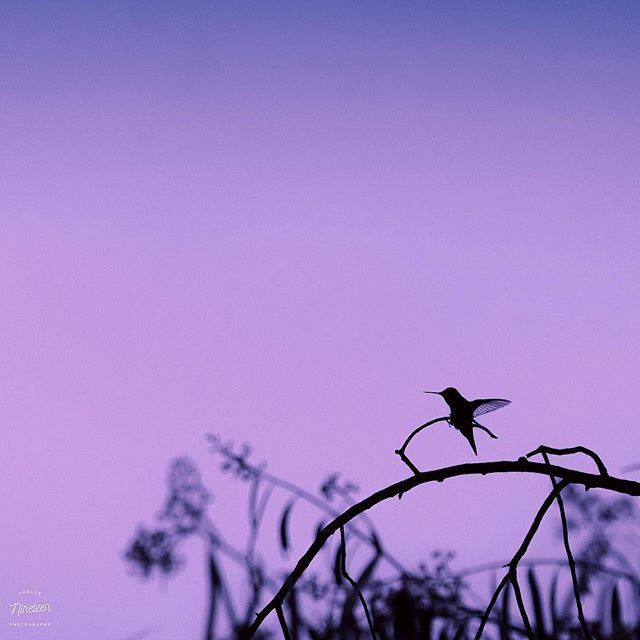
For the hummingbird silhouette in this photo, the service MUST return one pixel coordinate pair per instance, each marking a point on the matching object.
(463, 412)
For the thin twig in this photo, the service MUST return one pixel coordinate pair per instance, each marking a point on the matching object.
(417, 430)
(570, 559)
(512, 566)
(474, 613)
(522, 465)
(494, 598)
(567, 451)
(353, 583)
(556, 562)
(402, 450)
(405, 458)
(308, 497)
(513, 577)
(283, 623)
(215, 540)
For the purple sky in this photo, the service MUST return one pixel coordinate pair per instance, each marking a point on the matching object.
(281, 222)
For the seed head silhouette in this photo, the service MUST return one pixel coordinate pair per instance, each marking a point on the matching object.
(464, 412)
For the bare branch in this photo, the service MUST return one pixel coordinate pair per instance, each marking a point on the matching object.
(405, 459)
(353, 583)
(570, 559)
(416, 431)
(513, 577)
(522, 465)
(402, 450)
(283, 623)
(256, 471)
(555, 562)
(494, 598)
(544, 449)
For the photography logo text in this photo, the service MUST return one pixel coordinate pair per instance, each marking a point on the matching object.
(29, 609)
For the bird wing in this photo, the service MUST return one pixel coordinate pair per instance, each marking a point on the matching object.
(485, 405)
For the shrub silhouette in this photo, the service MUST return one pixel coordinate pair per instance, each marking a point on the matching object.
(386, 600)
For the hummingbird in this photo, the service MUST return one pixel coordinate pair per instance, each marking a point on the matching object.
(464, 412)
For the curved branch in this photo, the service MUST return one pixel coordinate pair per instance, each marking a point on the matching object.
(522, 465)
(416, 431)
(570, 558)
(543, 449)
(353, 583)
(511, 575)
(294, 489)
(401, 451)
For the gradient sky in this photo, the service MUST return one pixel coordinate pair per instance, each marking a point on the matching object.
(280, 222)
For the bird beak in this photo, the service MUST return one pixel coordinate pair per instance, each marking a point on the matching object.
(437, 393)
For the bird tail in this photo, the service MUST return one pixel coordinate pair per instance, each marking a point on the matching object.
(468, 434)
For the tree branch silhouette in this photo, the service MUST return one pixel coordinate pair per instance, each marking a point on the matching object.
(512, 572)
(556, 562)
(283, 623)
(401, 451)
(567, 451)
(513, 577)
(565, 532)
(353, 583)
(257, 473)
(522, 465)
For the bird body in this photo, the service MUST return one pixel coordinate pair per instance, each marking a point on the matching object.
(463, 412)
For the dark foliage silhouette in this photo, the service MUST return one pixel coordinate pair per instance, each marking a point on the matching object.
(592, 592)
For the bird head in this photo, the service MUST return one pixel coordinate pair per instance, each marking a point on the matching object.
(450, 393)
